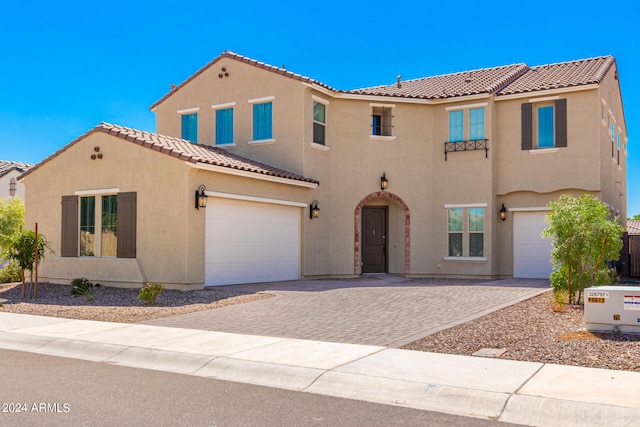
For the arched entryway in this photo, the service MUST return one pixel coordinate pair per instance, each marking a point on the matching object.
(357, 259)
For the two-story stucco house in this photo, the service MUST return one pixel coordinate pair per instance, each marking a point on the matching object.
(441, 176)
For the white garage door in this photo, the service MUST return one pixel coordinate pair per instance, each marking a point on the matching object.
(249, 242)
(531, 253)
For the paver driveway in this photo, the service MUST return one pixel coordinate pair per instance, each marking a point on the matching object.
(378, 310)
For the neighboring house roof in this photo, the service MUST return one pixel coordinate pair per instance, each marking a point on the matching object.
(487, 80)
(633, 227)
(561, 75)
(241, 58)
(184, 150)
(7, 166)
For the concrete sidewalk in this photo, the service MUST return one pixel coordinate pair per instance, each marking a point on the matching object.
(518, 392)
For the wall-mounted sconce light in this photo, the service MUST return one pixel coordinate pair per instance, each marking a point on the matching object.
(502, 213)
(384, 182)
(201, 197)
(12, 187)
(314, 210)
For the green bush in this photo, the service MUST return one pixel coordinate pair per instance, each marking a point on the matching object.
(82, 287)
(10, 273)
(150, 292)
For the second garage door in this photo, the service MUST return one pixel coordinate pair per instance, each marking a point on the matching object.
(531, 253)
(249, 242)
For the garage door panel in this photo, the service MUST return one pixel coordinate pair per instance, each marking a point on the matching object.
(531, 253)
(248, 242)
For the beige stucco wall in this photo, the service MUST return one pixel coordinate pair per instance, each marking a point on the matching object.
(163, 199)
(612, 175)
(170, 231)
(350, 166)
(245, 82)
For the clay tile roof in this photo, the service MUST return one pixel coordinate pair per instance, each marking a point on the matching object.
(487, 80)
(246, 60)
(6, 166)
(187, 151)
(633, 227)
(561, 75)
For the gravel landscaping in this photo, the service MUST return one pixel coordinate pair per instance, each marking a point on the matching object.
(528, 331)
(116, 304)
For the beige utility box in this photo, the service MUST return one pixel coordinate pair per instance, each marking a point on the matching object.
(608, 308)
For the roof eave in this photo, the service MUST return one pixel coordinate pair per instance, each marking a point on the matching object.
(252, 174)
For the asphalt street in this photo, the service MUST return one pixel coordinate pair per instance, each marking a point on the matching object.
(41, 390)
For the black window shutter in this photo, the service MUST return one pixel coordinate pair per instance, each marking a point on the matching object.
(126, 225)
(561, 122)
(69, 237)
(527, 126)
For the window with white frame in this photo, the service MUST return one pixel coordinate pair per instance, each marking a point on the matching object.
(544, 123)
(224, 123)
(465, 230)
(319, 123)
(98, 214)
(459, 116)
(190, 127)
(262, 118)
(382, 119)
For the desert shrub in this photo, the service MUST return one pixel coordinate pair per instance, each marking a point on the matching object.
(150, 292)
(82, 287)
(10, 273)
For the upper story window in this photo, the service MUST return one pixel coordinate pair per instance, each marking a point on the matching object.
(224, 123)
(381, 120)
(262, 118)
(190, 124)
(319, 122)
(547, 128)
(456, 126)
(458, 115)
(466, 231)
(476, 123)
(12, 187)
(618, 146)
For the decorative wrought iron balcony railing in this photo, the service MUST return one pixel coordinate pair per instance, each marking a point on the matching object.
(476, 144)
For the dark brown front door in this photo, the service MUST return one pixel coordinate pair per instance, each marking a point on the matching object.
(374, 239)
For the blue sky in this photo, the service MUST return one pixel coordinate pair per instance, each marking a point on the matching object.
(69, 65)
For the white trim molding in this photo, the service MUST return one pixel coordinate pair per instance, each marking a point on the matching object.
(262, 141)
(465, 258)
(544, 99)
(544, 150)
(375, 104)
(223, 106)
(253, 175)
(255, 199)
(97, 191)
(188, 110)
(464, 107)
(320, 147)
(261, 100)
(465, 205)
(320, 100)
(382, 137)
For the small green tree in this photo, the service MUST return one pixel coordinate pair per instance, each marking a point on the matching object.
(11, 219)
(636, 217)
(584, 239)
(22, 249)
